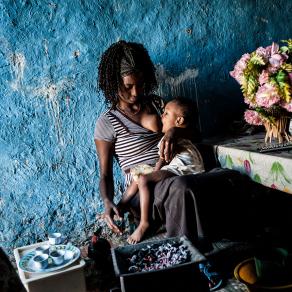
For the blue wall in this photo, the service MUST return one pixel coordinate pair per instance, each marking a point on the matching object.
(49, 51)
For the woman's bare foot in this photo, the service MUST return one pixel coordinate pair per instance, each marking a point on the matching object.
(138, 234)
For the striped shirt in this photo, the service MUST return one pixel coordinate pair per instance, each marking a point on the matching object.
(133, 144)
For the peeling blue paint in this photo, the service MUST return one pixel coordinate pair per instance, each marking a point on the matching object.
(49, 52)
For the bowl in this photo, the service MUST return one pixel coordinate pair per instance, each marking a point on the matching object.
(245, 272)
(57, 257)
(40, 261)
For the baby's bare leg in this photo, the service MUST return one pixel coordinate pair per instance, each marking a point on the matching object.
(130, 192)
(144, 191)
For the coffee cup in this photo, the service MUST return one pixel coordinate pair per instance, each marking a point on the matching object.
(40, 261)
(55, 238)
(69, 254)
(43, 249)
(57, 256)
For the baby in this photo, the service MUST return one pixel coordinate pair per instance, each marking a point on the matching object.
(177, 113)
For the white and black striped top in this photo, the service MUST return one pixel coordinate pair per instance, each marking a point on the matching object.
(133, 144)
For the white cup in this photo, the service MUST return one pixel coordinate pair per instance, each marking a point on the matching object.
(40, 261)
(69, 254)
(55, 238)
(57, 256)
(43, 249)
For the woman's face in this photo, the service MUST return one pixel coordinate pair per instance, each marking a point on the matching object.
(132, 88)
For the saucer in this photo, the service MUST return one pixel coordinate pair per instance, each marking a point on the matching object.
(26, 263)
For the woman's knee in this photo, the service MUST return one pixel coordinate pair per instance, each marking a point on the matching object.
(181, 188)
(183, 182)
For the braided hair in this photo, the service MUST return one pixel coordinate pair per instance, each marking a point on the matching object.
(109, 69)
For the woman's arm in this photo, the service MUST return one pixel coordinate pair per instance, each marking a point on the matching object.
(159, 164)
(104, 151)
(168, 143)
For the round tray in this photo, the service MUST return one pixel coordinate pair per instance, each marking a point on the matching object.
(245, 272)
(26, 262)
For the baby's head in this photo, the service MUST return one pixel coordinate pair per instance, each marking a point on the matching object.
(179, 112)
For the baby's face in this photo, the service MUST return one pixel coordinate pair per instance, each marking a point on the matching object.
(169, 117)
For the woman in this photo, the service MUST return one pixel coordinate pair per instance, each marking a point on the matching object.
(130, 131)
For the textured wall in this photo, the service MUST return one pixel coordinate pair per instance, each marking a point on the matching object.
(49, 52)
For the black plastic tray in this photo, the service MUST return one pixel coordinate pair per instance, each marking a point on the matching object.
(182, 277)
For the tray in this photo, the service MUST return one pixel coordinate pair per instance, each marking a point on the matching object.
(181, 277)
(26, 263)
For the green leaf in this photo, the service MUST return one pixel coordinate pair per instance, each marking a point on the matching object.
(289, 43)
(284, 49)
(277, 167)
(286, 91)
(250, 158)
(287, 67)
(257, 60)
(257, 178)
(281, 81)
(252, 85)
(286, 179)
(281, 76)
(229, 162)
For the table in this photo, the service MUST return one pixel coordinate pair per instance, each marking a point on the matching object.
(272, 169)
(70, 278)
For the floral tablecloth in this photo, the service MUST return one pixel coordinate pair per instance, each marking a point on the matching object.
(272, 169)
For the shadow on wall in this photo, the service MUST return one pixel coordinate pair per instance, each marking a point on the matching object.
(214, 117)
(183, 85)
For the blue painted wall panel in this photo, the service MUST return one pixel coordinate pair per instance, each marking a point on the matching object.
(49, 51)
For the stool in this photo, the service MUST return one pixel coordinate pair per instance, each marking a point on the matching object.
(69, 278)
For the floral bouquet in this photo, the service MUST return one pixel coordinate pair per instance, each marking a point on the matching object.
(265, 76)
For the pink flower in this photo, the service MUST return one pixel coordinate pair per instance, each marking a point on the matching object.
(269, 51)
(272, 69)
(277, 60)
(253, 117)
(264, 53)
(250, 102)
(267, 95)
(287, 106)
(239, 68)
(264, 77)
(273, 186)
(273, 49)
(247, 167)
(290, 77)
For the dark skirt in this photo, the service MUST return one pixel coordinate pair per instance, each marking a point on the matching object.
(199, 206)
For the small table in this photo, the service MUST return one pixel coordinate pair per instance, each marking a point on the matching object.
(272, 169)
(70, 278)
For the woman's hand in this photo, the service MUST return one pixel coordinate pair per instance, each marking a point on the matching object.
(111, 210)
(169, 141)
(106, 184)
(166, 149)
